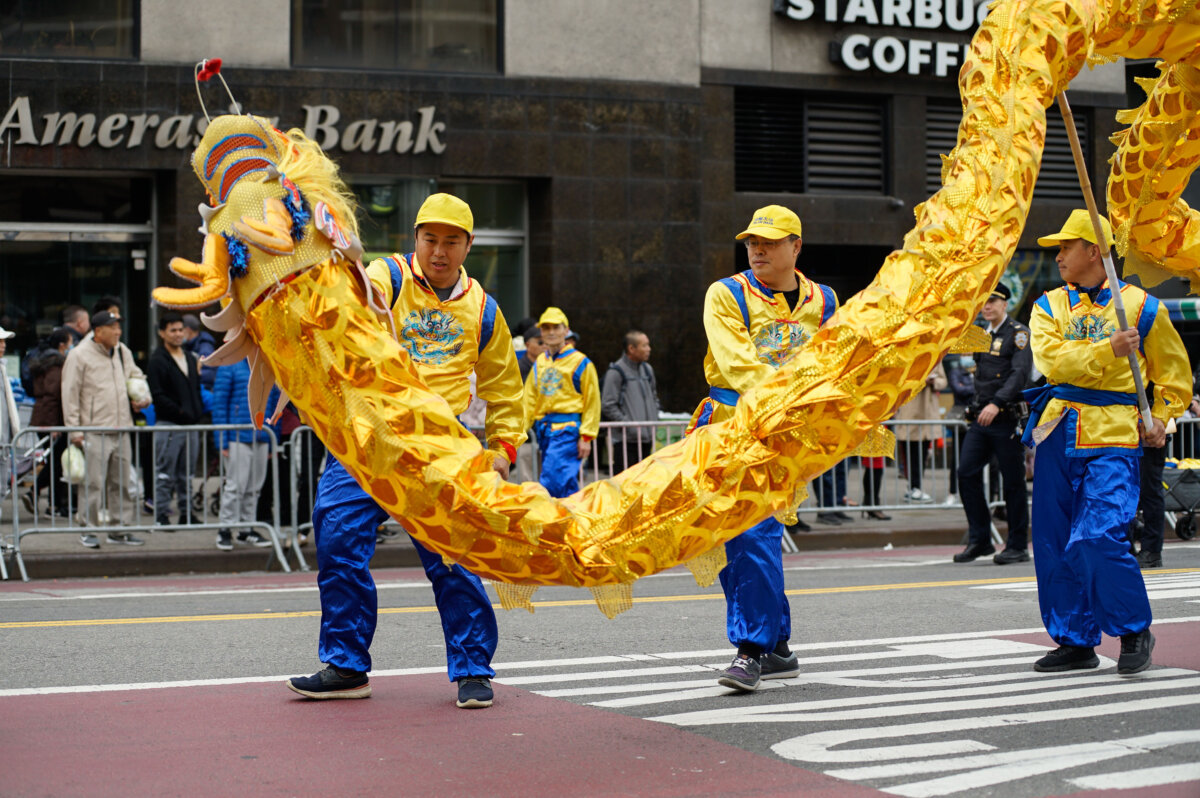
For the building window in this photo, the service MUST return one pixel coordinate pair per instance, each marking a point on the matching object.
(428, 35)
(69, 28)
(1057, 179)
(498, 257)
(789, 141)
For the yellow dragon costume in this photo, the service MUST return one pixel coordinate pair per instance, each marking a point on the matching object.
(279, 243)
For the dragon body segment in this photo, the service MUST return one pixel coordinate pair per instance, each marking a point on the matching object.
(305, 313)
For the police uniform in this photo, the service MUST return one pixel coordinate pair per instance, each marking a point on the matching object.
(562, 404)
(447, 340)
(751, 332)
(1001, 374)
(1084, 422)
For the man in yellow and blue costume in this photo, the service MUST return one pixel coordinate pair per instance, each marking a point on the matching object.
(450, 328)
(1086, 426)
(755, 321)
(562, 404)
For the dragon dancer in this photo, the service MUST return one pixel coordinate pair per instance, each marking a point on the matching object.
(1086, 425)
(562, 404)
(450, 328)
(755, 321)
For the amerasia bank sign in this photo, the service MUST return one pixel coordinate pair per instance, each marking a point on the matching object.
(22, 126)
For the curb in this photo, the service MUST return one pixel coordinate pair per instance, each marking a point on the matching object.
(398, 555)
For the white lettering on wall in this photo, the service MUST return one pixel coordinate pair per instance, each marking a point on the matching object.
(182, 131)
(957, 15)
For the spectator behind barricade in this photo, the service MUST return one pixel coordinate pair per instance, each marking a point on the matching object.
(630, 393)
(106, 304)
(200, 342)
(533, 348)
(46, 372)
(245, 453)
(77, 321)
(10, 422)
(520, 332)
(911, 439)
(302, 453)
(960, 372)
(96, 393)
(174, 377)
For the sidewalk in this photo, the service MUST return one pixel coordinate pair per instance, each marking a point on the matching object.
(60, 555)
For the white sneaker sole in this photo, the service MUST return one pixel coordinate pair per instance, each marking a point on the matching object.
(357, 692)
(734, 684)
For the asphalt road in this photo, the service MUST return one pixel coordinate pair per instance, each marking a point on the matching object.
(916, 681)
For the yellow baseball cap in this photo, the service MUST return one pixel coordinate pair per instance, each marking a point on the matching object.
(446, 209)
(1079, 225)
(553, 315)
(774, 222)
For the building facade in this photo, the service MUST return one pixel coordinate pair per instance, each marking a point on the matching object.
(610, 151)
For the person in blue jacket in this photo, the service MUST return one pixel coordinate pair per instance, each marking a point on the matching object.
(244, 453)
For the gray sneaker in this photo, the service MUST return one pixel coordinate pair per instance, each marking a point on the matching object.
(777, 667)
(91, 541)
(743, 674)
(128, 539)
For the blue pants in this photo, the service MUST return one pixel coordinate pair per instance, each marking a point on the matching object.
(1088, 582)
(344, 522)
(1000, 438)
(560, 459)
(756, 608)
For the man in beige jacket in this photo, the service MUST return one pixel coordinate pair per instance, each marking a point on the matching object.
(95, 394)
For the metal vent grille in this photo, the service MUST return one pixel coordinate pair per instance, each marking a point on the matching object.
(1057, 179)
(785, 141)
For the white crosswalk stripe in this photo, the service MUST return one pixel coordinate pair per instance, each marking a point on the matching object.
(914, 716)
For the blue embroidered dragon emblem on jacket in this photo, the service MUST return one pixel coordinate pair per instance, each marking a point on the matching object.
(776, 342)
(431, 336)
(550, 381)
(1086, 327)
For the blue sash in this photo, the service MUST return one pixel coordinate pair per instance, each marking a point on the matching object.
(1040, 396)
(541, 427)
(725, 396)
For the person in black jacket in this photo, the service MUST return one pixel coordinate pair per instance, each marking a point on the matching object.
(174, 378)
(1001, 374)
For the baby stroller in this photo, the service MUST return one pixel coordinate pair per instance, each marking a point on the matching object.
(1182, 486)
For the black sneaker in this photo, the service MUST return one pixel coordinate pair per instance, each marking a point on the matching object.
(1010, 556)
(829, 518)
(224, 540)
(799, 526)
(774, 666)
(332, 683)
(974, 551)
(474, 692)
(90, 541)
(1068, 658)
(1149, 559)
(1135, 652)
(841, 516)
(743, 674)
(127, 539)
(253, 538)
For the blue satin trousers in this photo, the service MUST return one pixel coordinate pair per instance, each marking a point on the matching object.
(1088, 582)
(756, 608)
(560, 459)
(345, 519)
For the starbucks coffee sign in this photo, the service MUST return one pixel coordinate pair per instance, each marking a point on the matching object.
(892, 52)
(23, 126)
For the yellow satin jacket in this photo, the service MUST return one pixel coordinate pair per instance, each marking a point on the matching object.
(1070, 347)
(751, 332)
(449, 340)
(565, 383)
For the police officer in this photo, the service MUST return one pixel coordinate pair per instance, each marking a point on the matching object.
(1002, 374)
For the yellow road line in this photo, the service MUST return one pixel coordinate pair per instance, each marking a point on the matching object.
(714, 596)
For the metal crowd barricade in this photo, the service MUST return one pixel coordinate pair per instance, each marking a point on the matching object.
(63, 510)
